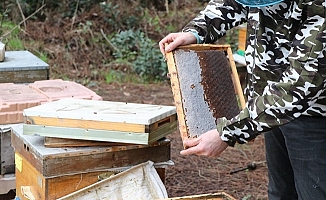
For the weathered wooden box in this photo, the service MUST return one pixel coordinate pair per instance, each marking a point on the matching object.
(51, 173)
(101, 121)
(22, 67)
(205, 86)
(138, 182)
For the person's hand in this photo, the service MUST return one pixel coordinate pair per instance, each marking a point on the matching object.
(176, 39)
(208, 144)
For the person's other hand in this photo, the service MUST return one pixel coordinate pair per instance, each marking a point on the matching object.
(208, 144)
(176, 39)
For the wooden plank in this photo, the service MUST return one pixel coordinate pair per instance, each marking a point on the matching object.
(173, 74)
(105, 111)
(60, 186)
(27, 175)
(2, 51)
(87, 134)
(50, 161)
(139, 182)
(24, 76)
(99, 125)
(50, 188)
(205, 86)
(84, 124)
(100, 121)
(236, 79)
(157, 125)
(95, 162)
(162, 131)
(51, 142)
(161, 127)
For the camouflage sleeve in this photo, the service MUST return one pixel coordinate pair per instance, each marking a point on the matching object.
(297, 90)
(214, 21)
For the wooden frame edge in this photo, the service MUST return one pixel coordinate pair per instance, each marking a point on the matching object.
(177, 95)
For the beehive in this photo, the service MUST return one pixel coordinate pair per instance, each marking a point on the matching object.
(205, 86)
(101, 121)
(51, 173)
(138, 182)
(22, 67)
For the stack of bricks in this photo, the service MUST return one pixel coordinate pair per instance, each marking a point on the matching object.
(14, 98)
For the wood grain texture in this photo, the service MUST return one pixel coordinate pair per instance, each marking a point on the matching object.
(102, 111)
(50, 188)
(29, 176)
(53, 188)
(173, 74)
(23, 76)
(52, 162)
(63, 142)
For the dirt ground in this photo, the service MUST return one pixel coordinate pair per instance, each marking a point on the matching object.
(193, 175)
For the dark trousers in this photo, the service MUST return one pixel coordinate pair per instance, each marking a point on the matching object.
(296, 160)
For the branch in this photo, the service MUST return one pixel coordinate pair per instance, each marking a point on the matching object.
(111, 46)
(23, 21)
(21, 12)
(74, 17)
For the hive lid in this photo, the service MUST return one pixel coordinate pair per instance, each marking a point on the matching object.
(21, 60)
(105, 111)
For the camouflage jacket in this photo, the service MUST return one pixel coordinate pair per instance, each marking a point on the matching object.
(286, 62)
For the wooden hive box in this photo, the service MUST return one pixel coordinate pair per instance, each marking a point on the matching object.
(22, 67)
(51, 173)
(140, 182)
(101, 121)
(205, 86)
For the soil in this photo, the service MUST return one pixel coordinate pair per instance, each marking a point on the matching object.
(194, 175)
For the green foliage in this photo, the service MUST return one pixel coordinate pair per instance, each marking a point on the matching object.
(135, 28)
(153, 21)
(118, 20)
(15, 44)
(247, 197)
(42, 55)
(143, 54)
(66, 7)
(10, 36)
(116, 76)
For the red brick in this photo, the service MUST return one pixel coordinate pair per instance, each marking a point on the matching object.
(14, 98)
